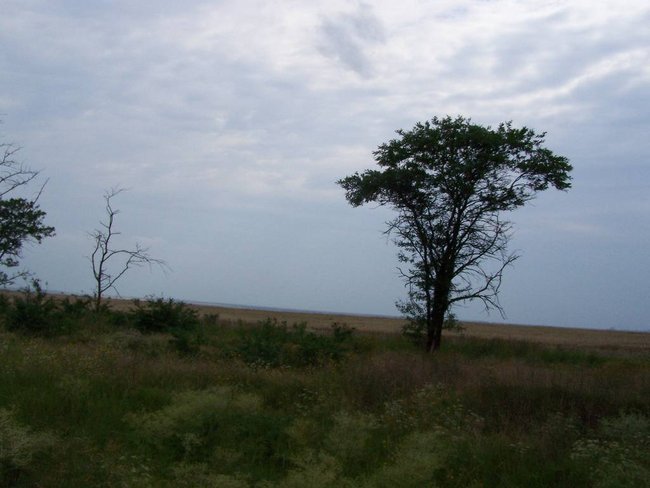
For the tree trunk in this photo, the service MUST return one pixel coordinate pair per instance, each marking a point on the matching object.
(434, 329)
(98, 301)
(436, 320)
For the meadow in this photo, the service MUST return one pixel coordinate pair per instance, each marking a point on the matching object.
(160, 394)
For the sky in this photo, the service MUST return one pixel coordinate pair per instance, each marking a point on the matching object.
(229, 123)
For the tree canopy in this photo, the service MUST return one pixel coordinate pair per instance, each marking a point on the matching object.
(21, 219)
(450, 181)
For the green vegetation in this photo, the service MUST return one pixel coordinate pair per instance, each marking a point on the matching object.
(451, 184)
(162, 397)
(21, 219)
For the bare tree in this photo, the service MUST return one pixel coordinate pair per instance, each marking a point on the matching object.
(120, 259)
(21, 219)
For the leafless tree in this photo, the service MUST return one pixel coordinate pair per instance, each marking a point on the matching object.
(120, 259)
(14, 174)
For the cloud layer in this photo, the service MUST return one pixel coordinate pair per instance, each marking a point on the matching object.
(231, 121)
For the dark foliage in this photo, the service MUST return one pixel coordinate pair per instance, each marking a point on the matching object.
(450, 181)
(35, 313)
(163, 315)
(21, 219)
(272, 344)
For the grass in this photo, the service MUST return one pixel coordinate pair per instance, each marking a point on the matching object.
(106, 402)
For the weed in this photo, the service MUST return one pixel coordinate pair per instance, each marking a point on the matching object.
(19, 448)
(350, 438)
(619, 452)
(314, 469)
(416, 461)
(186, 475)
(197, 423)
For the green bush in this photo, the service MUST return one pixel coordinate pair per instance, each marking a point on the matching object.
(5, 305)
(272, 344)
(187, 342)
(34, 313)
(160, 315)
(77, 308)
(175, 318)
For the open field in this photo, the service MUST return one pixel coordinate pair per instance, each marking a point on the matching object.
(639, 341)
(160, 397)
(556, 336)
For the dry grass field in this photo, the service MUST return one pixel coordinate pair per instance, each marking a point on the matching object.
(638, 342)
(590, 338)
(561, 336)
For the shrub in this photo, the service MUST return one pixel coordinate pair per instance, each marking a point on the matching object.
(187, 342)
(272, 344)
(160, 315)
(77, 308)
(118, 318)
(34, 313)
(5, 305)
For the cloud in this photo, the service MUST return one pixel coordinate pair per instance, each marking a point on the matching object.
(346, 38)
(231, 121)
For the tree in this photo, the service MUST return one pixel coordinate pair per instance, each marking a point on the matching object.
(21, 219)
(450, 182)
(104, 253)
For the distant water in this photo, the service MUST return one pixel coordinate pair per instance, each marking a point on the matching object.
(350, 314)
(287, 310)
(226, 305)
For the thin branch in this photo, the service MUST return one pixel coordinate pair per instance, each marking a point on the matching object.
(104, 254)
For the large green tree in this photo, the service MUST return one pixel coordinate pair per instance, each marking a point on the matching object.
(21, 218)
(450, 182)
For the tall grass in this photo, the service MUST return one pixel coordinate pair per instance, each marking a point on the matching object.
(272, 405)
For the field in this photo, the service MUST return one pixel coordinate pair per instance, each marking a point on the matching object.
(572, 337)
(164, 396)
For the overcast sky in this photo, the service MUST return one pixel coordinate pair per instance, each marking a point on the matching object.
(230, 121)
